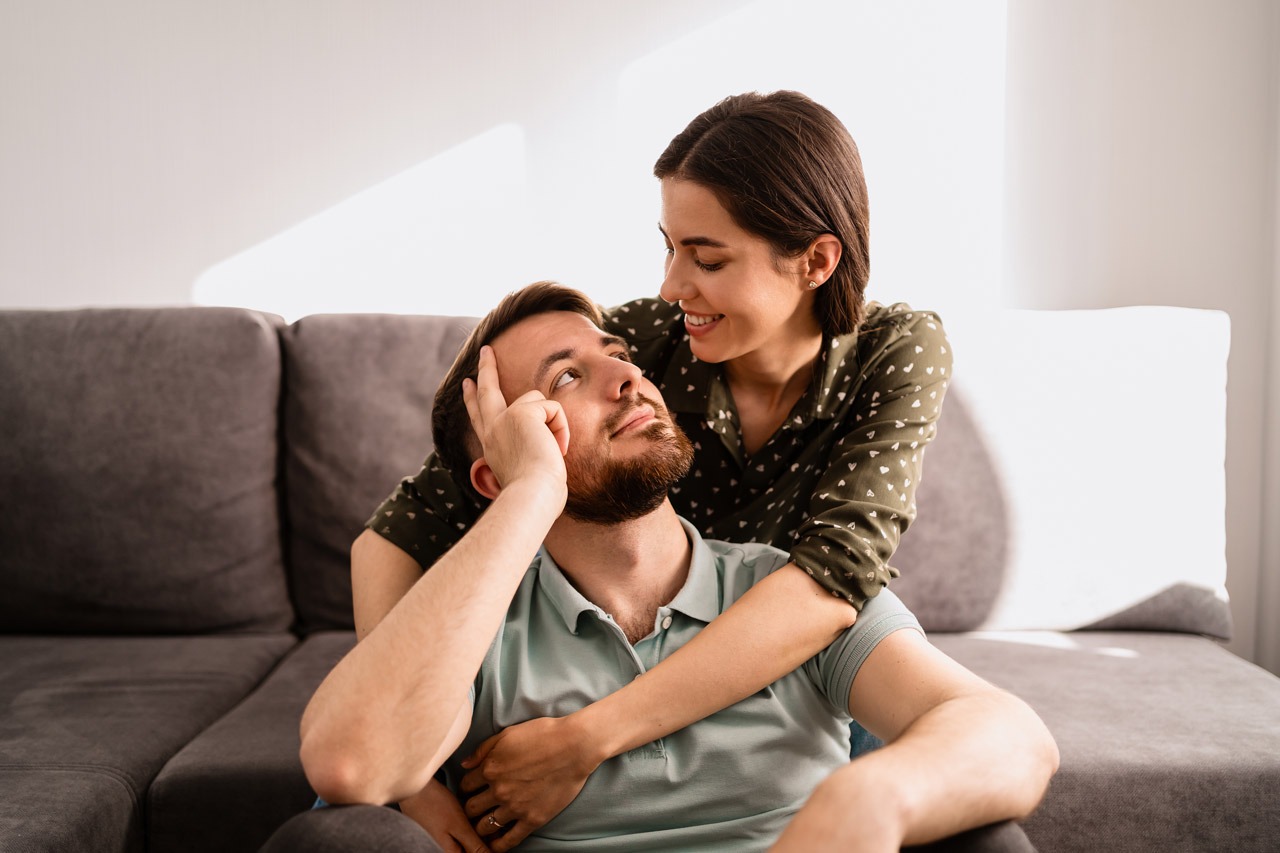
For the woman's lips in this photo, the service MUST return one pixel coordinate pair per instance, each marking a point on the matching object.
(698, 325)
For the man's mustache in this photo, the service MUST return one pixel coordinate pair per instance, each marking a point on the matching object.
(618, 418)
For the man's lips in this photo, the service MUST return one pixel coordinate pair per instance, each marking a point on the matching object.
(637, 418)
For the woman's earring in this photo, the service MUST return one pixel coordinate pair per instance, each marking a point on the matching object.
(813, 285)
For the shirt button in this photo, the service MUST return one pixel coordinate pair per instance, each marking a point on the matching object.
(666, 623)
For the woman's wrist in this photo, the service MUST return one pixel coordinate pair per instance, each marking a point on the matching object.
(597, 741)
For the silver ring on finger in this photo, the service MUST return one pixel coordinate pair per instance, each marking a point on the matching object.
(493, 821)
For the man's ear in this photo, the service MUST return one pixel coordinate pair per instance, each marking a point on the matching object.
(484, 480)
(821, 258)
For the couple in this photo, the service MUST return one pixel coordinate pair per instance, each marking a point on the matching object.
(579, 577)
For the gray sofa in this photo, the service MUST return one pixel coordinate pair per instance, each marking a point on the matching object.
(178, 491)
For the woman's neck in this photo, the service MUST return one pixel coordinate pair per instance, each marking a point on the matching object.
(768, 382)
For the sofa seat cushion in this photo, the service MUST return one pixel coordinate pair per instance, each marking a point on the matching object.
(87, 722)
(245, 765)
(1168, 741)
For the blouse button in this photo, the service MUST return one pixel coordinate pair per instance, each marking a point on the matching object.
(666, 623)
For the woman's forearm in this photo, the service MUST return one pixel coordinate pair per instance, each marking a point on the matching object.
(777, 625)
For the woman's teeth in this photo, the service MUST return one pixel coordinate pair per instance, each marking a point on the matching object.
(701, 320)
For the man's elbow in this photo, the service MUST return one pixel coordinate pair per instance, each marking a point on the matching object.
(1042, 755)
(340, 774)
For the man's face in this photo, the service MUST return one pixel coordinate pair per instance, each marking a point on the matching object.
(625, 451)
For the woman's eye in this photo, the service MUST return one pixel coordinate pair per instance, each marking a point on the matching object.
(708, 267)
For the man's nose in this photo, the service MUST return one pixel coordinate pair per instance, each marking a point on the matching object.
(624, 380)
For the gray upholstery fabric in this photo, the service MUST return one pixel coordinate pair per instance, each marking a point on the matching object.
(137, 474)
(351, 829)
(67, 810)
(246, 765)
(357, 418)
(1168, 741)
(953, 558)
(88, 722)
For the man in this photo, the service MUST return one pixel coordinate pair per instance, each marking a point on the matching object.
(580, 575)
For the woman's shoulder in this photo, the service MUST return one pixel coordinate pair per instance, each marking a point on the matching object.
(886, 324)
(642, 320)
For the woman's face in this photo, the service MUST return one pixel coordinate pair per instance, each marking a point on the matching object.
(738, 299)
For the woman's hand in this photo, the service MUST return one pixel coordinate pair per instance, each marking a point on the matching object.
(532, 770)
(438, 811)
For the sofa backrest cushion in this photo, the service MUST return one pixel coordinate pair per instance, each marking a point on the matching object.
(138, 472)
(357, 418)
(1078, 476)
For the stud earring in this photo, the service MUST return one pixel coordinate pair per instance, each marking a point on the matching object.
(813, 285)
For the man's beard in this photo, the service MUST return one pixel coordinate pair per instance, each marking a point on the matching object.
(607, 491)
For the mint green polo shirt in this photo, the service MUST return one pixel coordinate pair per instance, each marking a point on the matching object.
(728, 783)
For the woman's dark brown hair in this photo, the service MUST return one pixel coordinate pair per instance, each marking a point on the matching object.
(456, 443)
(788, 171)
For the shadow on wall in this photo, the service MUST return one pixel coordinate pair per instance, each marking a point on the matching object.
(955, 557)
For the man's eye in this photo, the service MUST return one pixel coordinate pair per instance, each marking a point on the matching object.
(623, 355)
(564, 379)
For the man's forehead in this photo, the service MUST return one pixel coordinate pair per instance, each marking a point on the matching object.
(525, 348)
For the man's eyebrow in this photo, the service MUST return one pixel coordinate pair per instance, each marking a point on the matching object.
(694, 241)
(550, 361)
(545, 365)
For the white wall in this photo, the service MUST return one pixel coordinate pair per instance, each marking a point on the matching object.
(168, 152)
(1142, 169)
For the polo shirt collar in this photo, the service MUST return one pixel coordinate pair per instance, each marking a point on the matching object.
(699, 598)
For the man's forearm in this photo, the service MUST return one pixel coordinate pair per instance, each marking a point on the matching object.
(386, 717)
(971, 761)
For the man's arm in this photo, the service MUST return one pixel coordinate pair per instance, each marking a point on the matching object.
(397, 705)
(959, 754)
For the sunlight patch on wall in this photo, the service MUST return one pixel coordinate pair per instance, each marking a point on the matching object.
(413, 244)
(920, 84)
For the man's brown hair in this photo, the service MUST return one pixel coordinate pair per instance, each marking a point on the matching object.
(456, 443)
(786, 170)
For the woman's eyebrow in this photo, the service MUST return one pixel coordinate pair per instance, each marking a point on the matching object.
(695, 241)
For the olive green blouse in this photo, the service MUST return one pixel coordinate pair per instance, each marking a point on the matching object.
(834, 486)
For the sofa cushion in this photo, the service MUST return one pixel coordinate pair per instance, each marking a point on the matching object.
(1168, 741)
(89, 721)
(1072, 448)
(138, 470)
(357, 418)
(246, 764)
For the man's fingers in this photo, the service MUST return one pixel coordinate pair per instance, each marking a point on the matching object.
(488, 391)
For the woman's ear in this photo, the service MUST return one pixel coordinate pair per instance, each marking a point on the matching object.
(484, 480)
(822, 257)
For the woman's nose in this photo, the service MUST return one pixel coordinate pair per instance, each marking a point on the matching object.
(675, 286)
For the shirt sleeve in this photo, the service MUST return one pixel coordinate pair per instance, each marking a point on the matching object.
(865, 499)
(426, 514)
(834, 668)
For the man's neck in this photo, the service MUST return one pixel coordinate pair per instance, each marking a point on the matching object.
(628, 570)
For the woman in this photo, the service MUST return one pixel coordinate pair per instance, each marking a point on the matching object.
(809, 411)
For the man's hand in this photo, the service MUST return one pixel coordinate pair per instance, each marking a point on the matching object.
(438, 811)
(528, 438)
(532, 770)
